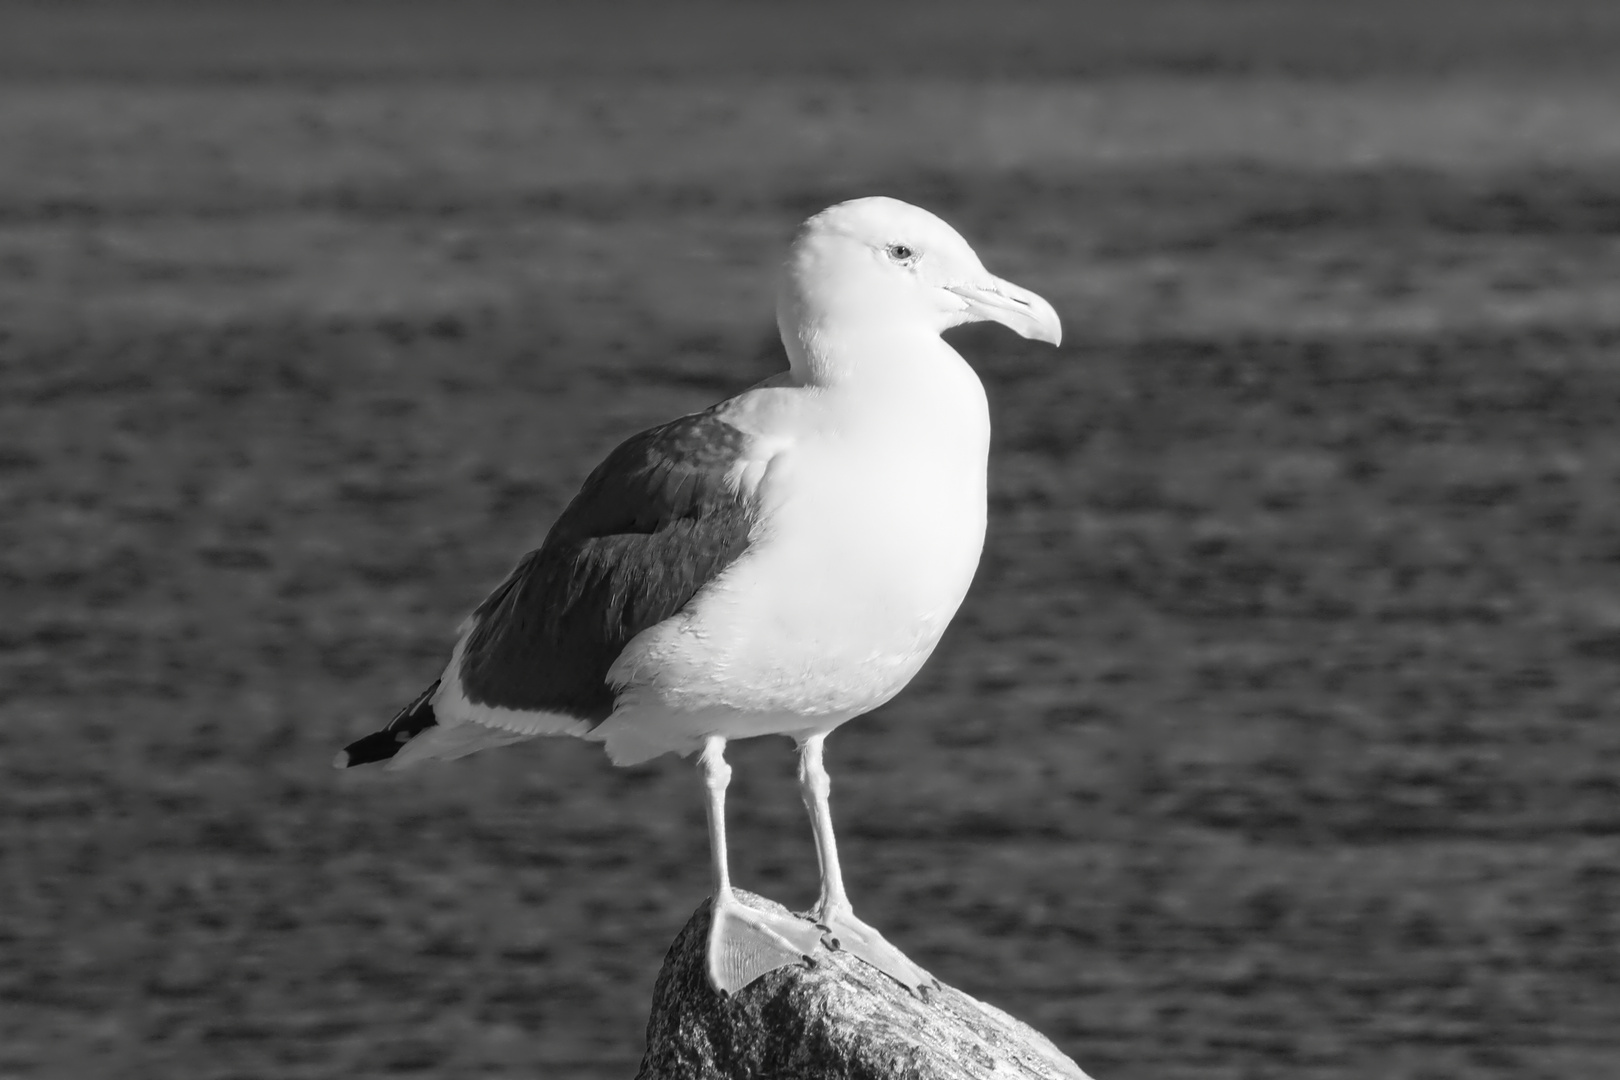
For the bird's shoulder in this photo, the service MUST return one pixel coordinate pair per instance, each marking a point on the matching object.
(689, 468)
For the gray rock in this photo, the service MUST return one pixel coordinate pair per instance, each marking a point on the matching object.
(839, 1019)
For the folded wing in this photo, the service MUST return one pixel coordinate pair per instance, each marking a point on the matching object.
(657, 520)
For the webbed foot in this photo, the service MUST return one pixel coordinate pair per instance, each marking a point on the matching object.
(844, 931)
(746, 942)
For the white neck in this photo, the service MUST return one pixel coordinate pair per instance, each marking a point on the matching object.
(832, 354)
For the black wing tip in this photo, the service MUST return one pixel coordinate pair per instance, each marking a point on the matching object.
(406, 725)
(378, 746)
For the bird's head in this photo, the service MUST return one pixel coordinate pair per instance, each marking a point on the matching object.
(879, 263)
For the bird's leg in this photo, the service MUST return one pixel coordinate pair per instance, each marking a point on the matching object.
(744, 942)
(844, 930)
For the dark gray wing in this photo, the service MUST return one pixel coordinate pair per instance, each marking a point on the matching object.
(652, 525)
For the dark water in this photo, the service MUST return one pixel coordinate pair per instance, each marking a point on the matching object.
(1275, 738)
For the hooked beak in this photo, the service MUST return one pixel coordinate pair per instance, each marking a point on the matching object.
(1016, 308)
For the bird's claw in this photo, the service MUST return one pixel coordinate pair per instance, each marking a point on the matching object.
(842, 932)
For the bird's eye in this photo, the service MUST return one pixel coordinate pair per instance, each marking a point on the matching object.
(900, 253)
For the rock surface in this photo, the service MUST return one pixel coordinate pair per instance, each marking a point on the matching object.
(839, 1019)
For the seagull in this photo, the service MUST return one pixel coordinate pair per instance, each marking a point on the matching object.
(777, 564)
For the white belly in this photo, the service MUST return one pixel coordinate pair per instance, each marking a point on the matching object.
(868, 540)
(852, 589)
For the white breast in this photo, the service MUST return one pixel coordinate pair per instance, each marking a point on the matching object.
(872, 522)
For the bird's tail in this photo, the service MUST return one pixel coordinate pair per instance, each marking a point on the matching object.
(410, 722)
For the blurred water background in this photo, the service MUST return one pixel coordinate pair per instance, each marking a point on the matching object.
(1274, 740)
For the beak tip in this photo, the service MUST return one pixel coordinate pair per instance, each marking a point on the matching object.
(1052, 335)
(1044, 325)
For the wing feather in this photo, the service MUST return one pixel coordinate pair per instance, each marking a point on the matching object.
(656, 521)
